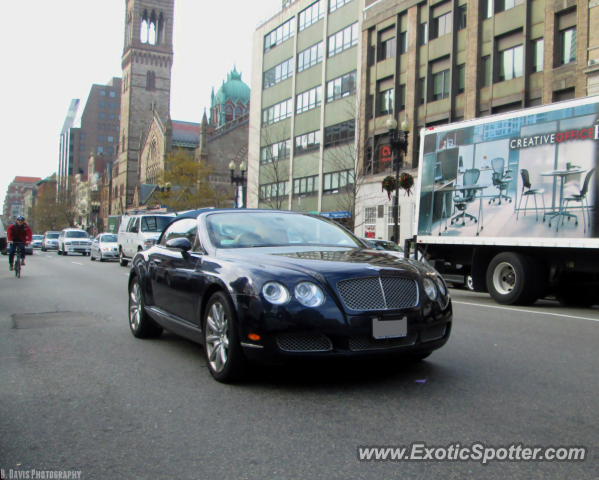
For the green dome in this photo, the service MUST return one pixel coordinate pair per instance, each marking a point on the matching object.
(234, 89)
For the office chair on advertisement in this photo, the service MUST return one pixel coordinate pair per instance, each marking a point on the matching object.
(466, 197)
(530, 192)
(501, 180)
(580, 198)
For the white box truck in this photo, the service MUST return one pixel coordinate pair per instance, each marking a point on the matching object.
(509, 202)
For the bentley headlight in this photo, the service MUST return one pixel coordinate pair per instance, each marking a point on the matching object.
(441, 285)
(309, 294)
(430, 289)
(275, 293)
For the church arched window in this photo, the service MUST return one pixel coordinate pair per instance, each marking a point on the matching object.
(144, 30)
(160, 33)
(238, 111)
(152, 28)
(247, 109)
(150, 80)
(228, 113)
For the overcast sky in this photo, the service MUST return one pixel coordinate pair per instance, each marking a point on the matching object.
(53, 51)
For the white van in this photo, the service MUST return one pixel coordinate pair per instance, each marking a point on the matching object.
(138, 232)
(3, 242)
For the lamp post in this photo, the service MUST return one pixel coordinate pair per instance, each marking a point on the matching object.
(398, 140)
(238, 180)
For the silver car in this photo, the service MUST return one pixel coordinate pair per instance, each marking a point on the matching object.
(50, 241)
(36, 241)
(105, 247)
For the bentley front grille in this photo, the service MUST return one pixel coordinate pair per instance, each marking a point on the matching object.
(378, 293)
(367, 343)
(304, 342)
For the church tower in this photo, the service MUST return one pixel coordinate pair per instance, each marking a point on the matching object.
(147, 61)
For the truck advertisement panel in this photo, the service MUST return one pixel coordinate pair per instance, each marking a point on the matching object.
(521, 176)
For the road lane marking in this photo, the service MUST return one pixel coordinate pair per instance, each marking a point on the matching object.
(528, 311)
(77, 263)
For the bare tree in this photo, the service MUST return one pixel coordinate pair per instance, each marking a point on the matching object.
(350, 159)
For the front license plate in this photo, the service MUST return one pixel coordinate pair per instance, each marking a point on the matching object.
(389, 328)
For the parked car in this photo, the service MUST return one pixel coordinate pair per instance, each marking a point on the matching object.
(74, 240)
(50, 241)
(105, 247)
(36, 241)
(3, 241)
(385, 245)
(138, 232)
(279, 286)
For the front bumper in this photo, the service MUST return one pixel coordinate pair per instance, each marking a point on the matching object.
(299, 336)
(50, 246)
(77, 249)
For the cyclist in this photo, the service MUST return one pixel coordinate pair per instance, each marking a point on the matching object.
(18, 235)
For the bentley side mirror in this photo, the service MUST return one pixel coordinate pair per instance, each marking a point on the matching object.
(181, 243)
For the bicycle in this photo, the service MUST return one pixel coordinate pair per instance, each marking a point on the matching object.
(18, 263)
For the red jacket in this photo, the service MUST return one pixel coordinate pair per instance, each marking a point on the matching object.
(23, 234)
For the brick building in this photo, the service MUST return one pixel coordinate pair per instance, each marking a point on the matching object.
(14, 199)
(90, 129)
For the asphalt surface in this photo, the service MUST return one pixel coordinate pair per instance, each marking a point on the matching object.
(79, 392)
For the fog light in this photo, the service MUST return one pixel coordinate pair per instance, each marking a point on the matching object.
(253, 336)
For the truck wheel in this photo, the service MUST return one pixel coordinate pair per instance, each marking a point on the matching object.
(514, 279)
(122, 261)
(577, 296)
(468, 284)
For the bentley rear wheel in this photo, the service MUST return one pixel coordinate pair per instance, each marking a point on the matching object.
(142, 326)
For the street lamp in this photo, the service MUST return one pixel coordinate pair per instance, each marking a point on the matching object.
(398, 140)
(239, 180)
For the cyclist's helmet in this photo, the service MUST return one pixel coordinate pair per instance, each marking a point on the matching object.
(21, 217)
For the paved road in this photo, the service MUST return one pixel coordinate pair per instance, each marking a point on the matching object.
(79, 392)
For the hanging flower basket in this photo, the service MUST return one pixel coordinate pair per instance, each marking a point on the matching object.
(388, 185)
(406, 182)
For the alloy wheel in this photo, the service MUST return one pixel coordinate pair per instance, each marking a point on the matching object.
(217, 337)
(135, 306)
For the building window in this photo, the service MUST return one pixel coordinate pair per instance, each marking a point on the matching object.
(310, 57)
(100, 149)
(461, 78)
(566, 94)
(486, 71)
(271, 190)
(311, 15)
(370, 215)
(102, 93)
(305, 186)
(387, 49)
(442, 25)
(538, 54)
(568, 45)
(111, 105)
(402, 97)
(440, 85)
(511, 62)
(277, 112)
(99, 126)
(336, 181)
(82, 148)
(110, 150)
(422, 89)
(111, 139)
(102, 104)
(279, 35)
(307, 142)
(275, 152)
(111, 116)
(101, 115)
(100, 138)
(339, 134)
(508, 4)
(423, 33)
(335, 4)
(309, 99)
(386, 102)
(82, 136)
(487, 8)
(104, 126)
(462, 17)
(112, 94)
(279, 73)
(403, 42)
(341, 87)
(343, 39)
(81, 158)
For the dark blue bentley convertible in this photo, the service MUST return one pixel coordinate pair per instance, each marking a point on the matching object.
(274, 286)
